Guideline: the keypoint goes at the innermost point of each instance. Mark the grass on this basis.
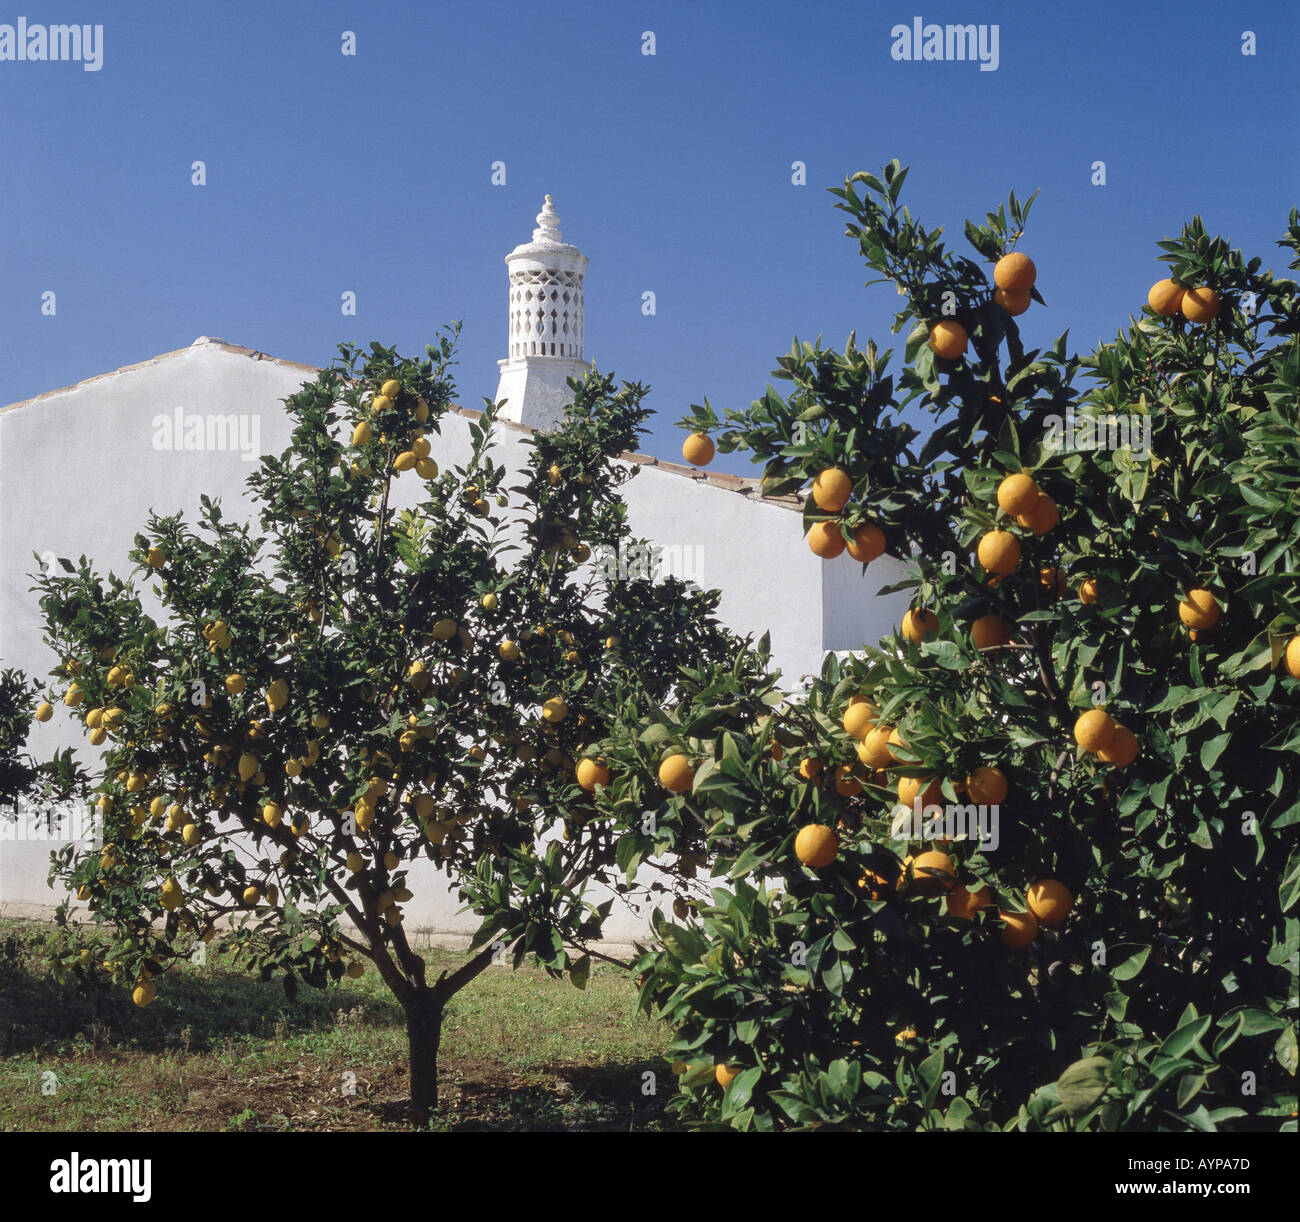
(220, 1050)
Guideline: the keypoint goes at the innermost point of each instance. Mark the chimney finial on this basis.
(548, 224)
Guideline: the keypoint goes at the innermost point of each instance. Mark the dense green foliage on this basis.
(852, 994)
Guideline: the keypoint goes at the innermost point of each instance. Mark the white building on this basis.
(81, 468)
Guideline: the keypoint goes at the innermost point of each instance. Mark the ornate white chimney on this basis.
(546, 319)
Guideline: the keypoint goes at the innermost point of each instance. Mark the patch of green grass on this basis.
(219, 1049)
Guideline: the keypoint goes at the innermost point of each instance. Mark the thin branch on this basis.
(1056, 771)
(586, 950)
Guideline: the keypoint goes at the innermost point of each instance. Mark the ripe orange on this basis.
(826, 539)
(1292, 657)
(1088, 591)
(948, 339)
(987, 786)
(1014, 303)
(725, 1075)
(933, 884)
(910, 786)
(999, 552)
(1199, 610)
(1165, 297)
(875, 885)
(918, 624)
(697, 449)
(1042, 516)
(555, 710)
(676, 773)
(810, 768)
(868, 543)
(816, 845)
(831, 489)
(1015, 273)
(592, 773)
(1049, 901)
(846, 784)
(143, 993)
(874, 750)
(1094, 731)
(1019, 929)
(1017, 493)
(965, 904)
(1199, 304)
(1122, 749)
(1053, 579)
(989, 631)
(859, 719)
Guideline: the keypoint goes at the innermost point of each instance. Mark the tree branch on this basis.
(1056, 771)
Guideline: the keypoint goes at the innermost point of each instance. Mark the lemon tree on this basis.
(352, 687)
(1092, 704)
(21, 775)
(17, 711)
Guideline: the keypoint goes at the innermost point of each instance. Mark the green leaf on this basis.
(1284, 1049)
(1258, 1022)
(957, 1116)
(1289, 891)
(1189, 1085)
(1212, 749)
(655, 735)
(1082, 1085)
(1186, 1035)
(1132, 965)
(930, 1071)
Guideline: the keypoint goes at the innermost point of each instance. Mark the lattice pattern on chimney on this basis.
(546, 313)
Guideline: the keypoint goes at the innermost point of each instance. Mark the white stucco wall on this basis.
(80, 471)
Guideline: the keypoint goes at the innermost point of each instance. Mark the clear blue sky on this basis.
(671, 172)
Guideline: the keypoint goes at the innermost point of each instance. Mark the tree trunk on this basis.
(424, 1033)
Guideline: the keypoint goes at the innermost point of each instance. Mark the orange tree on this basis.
(356, 687)
(1031, 862)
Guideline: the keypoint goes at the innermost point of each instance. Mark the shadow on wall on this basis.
(852, 613)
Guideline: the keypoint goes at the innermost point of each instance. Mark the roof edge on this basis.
(202, 342)
(747, 486)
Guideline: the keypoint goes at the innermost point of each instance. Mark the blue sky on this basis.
(672, 173)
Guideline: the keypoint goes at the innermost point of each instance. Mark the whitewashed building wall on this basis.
(80, 471)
